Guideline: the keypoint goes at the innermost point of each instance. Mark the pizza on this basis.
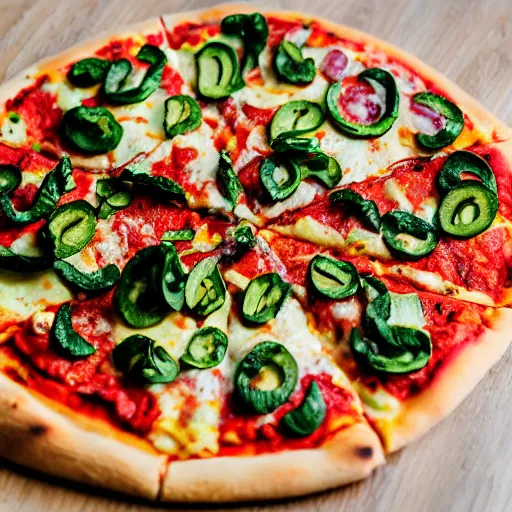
(244, 255)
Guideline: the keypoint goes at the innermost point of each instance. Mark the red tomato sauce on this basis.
(39, 111)
(259, 116)
(94, 376)
(277, 29)
(269, 437)
(171, 81)
(191, 33)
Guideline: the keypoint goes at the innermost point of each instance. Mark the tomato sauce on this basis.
(269, 437)
(277, 29)
(39, 111)
(171, 81)
(191, 34)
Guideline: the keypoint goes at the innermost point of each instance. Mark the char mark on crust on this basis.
(364, 452)
(38, 430)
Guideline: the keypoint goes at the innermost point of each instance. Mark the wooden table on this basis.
(463, 464)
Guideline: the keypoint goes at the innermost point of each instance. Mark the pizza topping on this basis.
(408, 236)
(454, 120)
(114, 196)
(365, 209)
(147, 281)
(334, 64)
(70, 228)
(119, 88)
(385, 121)
(333, 278)
(217, 71)
(88, 72)
(228, 182)
(10, 178)
(182, 114)
(253, 30)
(9, 260)
(321, 167)
(99, 281)
(280, 176)
(56, 183)
(93, 130)
(206, 348)
(468, 209)
(291, 66)
(65, 339)
(296, 118)
(397, 343)
(205, 290)
(140, 359)
(264, 297)
(178, 235)
(461, 163)
(266, 377)
(308, 416)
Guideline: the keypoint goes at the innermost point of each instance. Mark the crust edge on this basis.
(351, 455)
(456, 380)
(34, 435)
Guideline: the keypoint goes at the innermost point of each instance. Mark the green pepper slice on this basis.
(291, 66)
(10, 178)
(298, 144)
(280, 176)
(140, 359)
(182, 114)
(296, 118)
(139, 296)
(70, 228)
(365, 209)
(9, 260)
(239, 242)
(228, 182)
(462, 162)
(88, 72)
(173, 279)
(117, 87)
(162, 185)
(321, 167)
(56, 183)
(265, 359)
(114, 196)
(93, 130)
(264, 297)
(205, 290)
(387, 119)
(65, 339)
(412, 351)
(178, 235)
(253, 30)
(308, 416)
(217, 71)
(332, 278)
(408, 236)
(452, 114)
(468, 209)
(98, 281)
(206, 348)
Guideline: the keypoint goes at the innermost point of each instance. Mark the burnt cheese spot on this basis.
(364, 452)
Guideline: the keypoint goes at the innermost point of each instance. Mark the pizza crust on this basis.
(36, 435)
(350, 456)
(490, 127)
(455, 381)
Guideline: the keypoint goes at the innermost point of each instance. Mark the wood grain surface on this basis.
(464, 463)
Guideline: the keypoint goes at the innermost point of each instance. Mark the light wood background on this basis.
(463, 464)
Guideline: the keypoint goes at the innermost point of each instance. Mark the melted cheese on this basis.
(12, 131)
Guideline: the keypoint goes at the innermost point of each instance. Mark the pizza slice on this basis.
(321, 106)
(442, 223)
(412, 355)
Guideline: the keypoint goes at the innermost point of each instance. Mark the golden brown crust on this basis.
(489, 126)
(455, 381)
(38, 436)
(351, 455)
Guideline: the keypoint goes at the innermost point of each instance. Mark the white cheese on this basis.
(27, 245)
(13, 131)
(393, 192)
(303, 196)
(68, 96)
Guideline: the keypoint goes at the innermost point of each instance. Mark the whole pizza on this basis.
(244, 255)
